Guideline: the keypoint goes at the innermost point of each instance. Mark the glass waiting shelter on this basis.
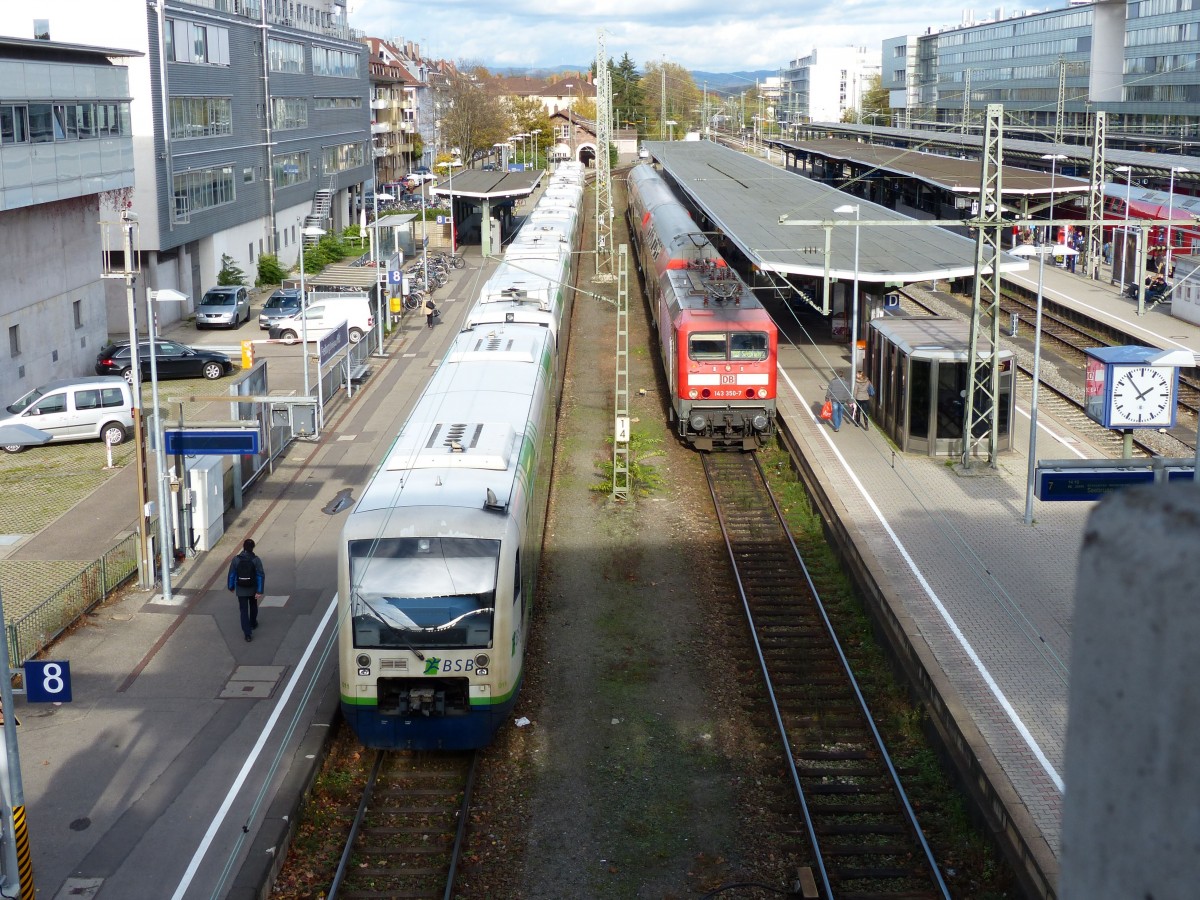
(919, 368)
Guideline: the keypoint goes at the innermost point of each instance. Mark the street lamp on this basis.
(1128, 170)
(449, 167)
(1026, 250)
(167, 295)
(1171, 215)
(1054, 158)
(386, 198)
(534, 134)
(857, 210)
(306, 231)
(570, 121)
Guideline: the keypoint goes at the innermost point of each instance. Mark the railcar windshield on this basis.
(719, 346)
(423, 592)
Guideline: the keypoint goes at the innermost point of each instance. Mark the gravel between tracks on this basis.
(640, 774)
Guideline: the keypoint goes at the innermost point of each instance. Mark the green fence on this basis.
(37, 628)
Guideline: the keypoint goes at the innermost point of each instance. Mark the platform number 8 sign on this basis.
(48, 681)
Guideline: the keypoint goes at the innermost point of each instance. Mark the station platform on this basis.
(985, 600)
(1100, 299)
(179, 764)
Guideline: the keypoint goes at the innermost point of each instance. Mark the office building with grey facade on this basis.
(1137, 61)
(66, 160)
(248, 117)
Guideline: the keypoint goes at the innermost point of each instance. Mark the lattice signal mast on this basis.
(604, 138)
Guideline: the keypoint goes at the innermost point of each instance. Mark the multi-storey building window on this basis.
(290, 168)
(342, 157)
(337, 103)
(289, 112)
(202, 189)
(201, 117)
(40, 123)
(285, 56)
(338, 63)
(191, 42)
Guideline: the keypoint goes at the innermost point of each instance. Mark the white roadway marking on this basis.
(1105, 314)
(992, 686)
(252, 758)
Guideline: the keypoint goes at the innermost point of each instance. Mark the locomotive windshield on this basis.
(423, 592)
(719, 346)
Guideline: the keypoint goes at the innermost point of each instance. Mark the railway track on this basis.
(1068, 340)
(408, 832)
(865, 837)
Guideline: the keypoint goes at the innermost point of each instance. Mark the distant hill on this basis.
(731, 82)
(721, 82)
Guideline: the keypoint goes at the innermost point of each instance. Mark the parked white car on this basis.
(324, 315)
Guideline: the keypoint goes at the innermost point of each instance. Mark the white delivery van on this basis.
(322, 316)
(76, 409)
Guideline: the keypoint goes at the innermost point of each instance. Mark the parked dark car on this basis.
(223, 307)
(173, 360)
(283, 303)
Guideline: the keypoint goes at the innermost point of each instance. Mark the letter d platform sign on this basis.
(48, 681)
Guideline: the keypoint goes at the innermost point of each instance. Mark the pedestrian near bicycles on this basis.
(430, 311)
(247, 580)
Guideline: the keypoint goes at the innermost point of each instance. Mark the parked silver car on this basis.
(223, 307)
(75, 409)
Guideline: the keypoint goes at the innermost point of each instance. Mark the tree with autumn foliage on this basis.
(680, 103)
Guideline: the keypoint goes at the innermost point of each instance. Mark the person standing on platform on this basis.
(247, 580)
(863, 389)
(430, 311)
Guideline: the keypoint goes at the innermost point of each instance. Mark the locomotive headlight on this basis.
(759, 422)
(364, 661)
(762, 393)
(693, 394)
(482, 660)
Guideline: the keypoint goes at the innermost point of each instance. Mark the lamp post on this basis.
(160, 456)
(449, 167)
(1054, 158)
(1171, 215)
(375, 263)
(1128, 170)
(857, 210)
(1025, 250)
(307, 231)
(534, 134)
(570, 121)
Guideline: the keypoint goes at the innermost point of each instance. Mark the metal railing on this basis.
(29, 633)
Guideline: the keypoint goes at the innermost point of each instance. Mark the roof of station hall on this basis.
(487, 184)
(778, 220)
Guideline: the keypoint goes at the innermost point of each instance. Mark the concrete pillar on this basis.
(1131, 821)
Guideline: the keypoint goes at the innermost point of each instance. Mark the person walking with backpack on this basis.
(247, 579)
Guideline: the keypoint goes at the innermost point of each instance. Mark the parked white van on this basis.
(75, 409)
(323, 315)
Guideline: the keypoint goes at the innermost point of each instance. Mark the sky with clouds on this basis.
(727, 36)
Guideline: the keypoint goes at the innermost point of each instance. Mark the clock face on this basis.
(1141, 395)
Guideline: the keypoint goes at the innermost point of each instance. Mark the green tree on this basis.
(473, 115)
(230, 274)
(527, 115)
(680, 103)
(629, 101)
(876, 104)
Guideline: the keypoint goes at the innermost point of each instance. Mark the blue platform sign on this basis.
(48, 681)
(206, 442)
(1066, 483)
(394, 276)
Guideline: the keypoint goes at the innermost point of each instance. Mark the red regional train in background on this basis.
(1145, 205)
(719, 347)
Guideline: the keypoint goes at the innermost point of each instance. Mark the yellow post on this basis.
(247, 354)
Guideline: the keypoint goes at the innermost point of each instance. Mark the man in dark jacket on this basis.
(247, 579)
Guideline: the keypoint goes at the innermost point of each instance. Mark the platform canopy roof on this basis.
(488, 185)
(785, 223)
